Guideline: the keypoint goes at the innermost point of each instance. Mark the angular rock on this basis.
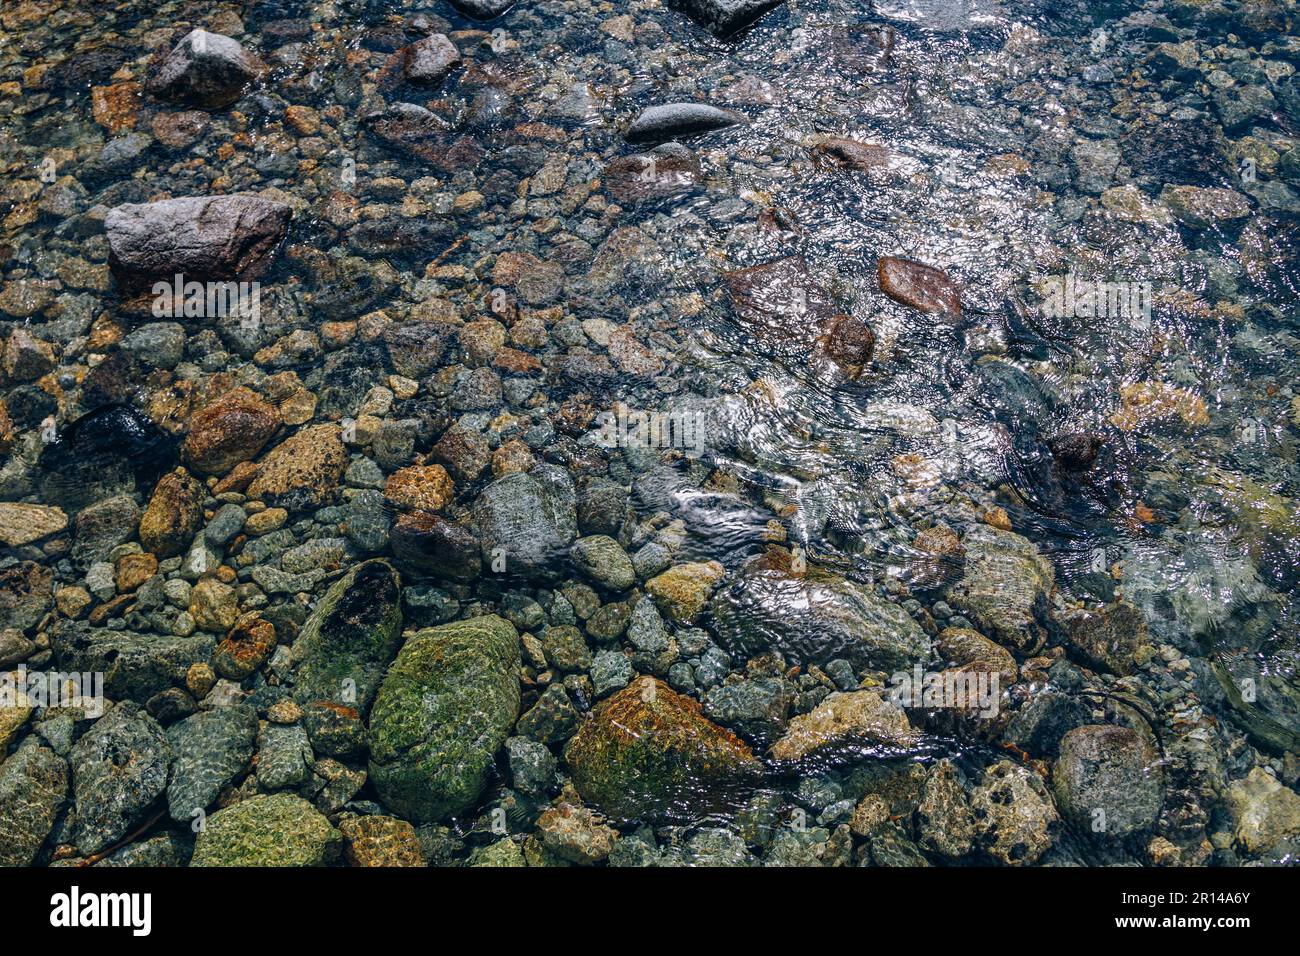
(210, 751)
(445, 708)
(33, 789)
(944, 820)
(419, 488)
(26, 593)
(815, 619)
(528, 521)
(837, 153)
(648, 752)
(380, 841)
(351, 637)
(303, 471)
(203, 238)
(119, 770)
(437, 546)
(658, 124)
(245, 648)
(683, 590)
(919, 286)
(1110, 638)
(424, 135)
(425, 62)
(860, 723)
(276, 830)
(135, 666)
(206, 70)
(1266, 815)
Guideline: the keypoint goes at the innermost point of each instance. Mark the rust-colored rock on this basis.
(919, 286)
(245, 647)
(649, 752)
(419, 488)
(849, 343)
(230, 430)
(174, 515)
(303, 471)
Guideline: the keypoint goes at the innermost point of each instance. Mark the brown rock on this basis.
(22, 524)
(512, 456)
(133, 570)
(436, 545)
(304, 470)
(850, 154)
(419, 488)
(648, 751)
(919, 286)
(174, 515)
(180, 130)
(213, 605)
(381, 841)
(230, 430)
(849, 343)
(116, 107)
(245, 647)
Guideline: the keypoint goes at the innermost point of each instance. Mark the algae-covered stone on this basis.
(445, 708)
(33, 787)
(210, 749)
(649, 751)
(350, 638)
(119, 769)
(860, 721)
(504, 852)
(275, 830)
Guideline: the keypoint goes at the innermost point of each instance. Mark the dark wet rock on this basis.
(779, 301)
(171, 705)
(602, 507)
(174, 514)
(1076, 451)
(1037, 728)
(424, 135)
(268, 830)
(206, 70)
(531, 765)
(33, 789)
(815, 619)
(658, 124)
(1113, 638)
(552, 719)
(724, 17)
(849, 343)
(446, 706)
(666, 170)
(849, 154)
(232, 429)
(335, 730)
(437, 546)
(350, 638)
(919, 286)
(1202, 208)
(1108, 781)
(527, 520)
(402, 238)
(1005, 585)
(135, 666)
(26, 593)
(1266, 817)
(109, 449)
(203, 238)
(347, 287)
(425, 62)
(417, 348)
(210, 750)
(483, 9)
(755, 709)
(119, 770)
(1014, 814)
(164, 850)
(648, 752)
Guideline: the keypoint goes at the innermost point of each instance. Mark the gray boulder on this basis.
(210, 749)
(528, 520)
(119, 771)
(206, 70)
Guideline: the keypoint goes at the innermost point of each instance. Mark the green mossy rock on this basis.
(444, 710)
(350, 638)
(276, 830)
(649, 752)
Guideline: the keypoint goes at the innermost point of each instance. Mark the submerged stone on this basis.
(657, 124)
(445, 708)
(724, 17)
(267, 830)
(919, 286)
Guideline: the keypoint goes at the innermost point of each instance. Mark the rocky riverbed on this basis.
(479, 433)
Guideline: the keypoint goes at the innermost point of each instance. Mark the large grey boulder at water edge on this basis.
(202, 238)
(206, 70)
